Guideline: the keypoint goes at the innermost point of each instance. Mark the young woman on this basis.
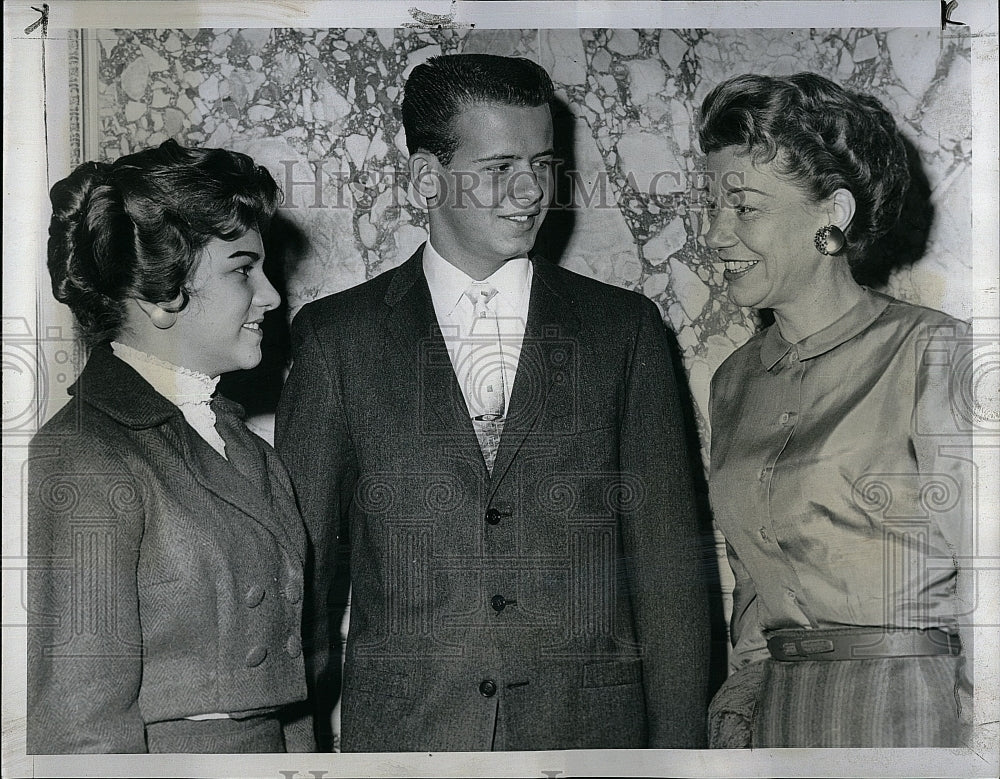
(839, 466)
(165, 583)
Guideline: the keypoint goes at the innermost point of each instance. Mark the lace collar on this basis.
(181, 386)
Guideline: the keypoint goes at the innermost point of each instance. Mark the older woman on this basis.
(165, 583)
(838, 467)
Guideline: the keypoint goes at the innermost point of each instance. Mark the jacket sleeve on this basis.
(85, 524)
(663, 545)
(312, 437)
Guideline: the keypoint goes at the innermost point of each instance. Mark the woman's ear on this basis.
(425, 178)
(842, 208)
(162, 315)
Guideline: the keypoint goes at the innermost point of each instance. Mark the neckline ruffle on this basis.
(179, 385)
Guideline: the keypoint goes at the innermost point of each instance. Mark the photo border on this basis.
(32, 142)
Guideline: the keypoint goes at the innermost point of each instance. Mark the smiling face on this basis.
(489, 202)
(762, 228)
(220, 328)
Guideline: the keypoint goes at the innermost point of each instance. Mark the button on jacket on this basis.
(162, 584)
(553, 604)
(841, 473)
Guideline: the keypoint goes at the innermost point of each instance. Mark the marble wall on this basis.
(319, 108)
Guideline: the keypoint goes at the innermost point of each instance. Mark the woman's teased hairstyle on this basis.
(437, 90)
(823, 137)
(134, 228)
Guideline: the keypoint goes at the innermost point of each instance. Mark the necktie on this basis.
(484, 372)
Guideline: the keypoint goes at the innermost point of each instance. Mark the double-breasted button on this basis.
(293, 646)
(253, 596)
(487, 688)
(493, 516)
(256, 656)
(498, 602)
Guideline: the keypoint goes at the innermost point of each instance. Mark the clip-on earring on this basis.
(829, 239)
(162, 319)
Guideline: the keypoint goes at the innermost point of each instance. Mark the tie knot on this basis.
(481, 295)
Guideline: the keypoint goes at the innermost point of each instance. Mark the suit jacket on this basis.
(162, 583)
(556, 604)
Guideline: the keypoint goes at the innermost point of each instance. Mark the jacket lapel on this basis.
(548, 352)
(411, 320)
(117, 390)
(213, 472)
(285, 507)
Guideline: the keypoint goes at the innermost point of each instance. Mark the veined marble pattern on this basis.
(323, 104)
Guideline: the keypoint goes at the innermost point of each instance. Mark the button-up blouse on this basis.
(840, 473)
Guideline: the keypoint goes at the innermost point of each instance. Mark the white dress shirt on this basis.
(454, 311)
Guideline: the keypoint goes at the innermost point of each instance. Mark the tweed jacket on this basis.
(553, 604)
(162, 583)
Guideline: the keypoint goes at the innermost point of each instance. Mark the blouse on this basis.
(840, 474)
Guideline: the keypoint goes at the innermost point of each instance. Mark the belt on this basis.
(794, 645)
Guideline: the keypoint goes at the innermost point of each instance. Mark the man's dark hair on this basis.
(439, 89)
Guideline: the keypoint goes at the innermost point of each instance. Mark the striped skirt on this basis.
(881, 702)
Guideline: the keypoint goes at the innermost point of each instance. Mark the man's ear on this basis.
(425, 178)
(842, 208)
(162, 315)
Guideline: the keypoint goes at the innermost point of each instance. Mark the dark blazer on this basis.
(555, 605)
(162, 583)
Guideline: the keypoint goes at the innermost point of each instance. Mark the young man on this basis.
(500, 441)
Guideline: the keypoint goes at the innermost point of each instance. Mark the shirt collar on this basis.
(859, 317)
(448, 283)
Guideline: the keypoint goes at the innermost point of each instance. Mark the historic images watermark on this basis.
(571, 189)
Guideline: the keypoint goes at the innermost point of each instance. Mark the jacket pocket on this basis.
(613, 673)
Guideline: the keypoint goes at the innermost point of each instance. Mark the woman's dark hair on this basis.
(823, 137)
(437, 90)
(133, 228)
